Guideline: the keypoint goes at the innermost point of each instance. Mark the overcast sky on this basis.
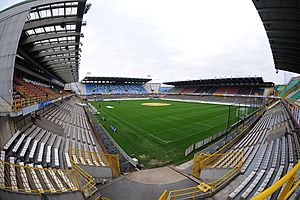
(173, 40)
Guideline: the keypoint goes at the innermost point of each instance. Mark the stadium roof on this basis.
(281, 20)
(224, 81)
(51, 36)
(115, 80)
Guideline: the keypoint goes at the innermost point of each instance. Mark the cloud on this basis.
(175, 40)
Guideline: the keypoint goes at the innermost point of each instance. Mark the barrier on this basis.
(189, 150)
(163, 196)
(19, 104)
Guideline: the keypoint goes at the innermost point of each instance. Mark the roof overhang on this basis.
(115, 80)
(258, 81)
(51, 36)
(281, 20)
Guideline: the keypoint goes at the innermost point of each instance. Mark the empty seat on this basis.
(42, 146)
(242, 186)
(27, 142)
(18, 144)
(49, 149)
(47, 181)
(35, 144)
(66, 179)
(12, 174)
(24, 178)
(57, 180)
(35, 178)
(253, 184)
(11, 140)
(56, 151)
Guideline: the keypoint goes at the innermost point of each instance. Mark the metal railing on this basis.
(18, 104)
(85, 181)
(201, 189)
(290, 180)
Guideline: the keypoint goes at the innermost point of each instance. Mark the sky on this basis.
(175, 40)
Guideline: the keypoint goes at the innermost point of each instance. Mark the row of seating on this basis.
(249, 158)
(272, 155)
(249, 145)
(41, 155)
(243, 90)
(115, 89)
(78, 136)
(256, 134)
(290, 86)
(28, 177)
(297, 144)
(25, 88)
(253, 185)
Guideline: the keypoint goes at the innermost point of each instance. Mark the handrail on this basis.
(18, 104)
(89, 183)
(288, 189)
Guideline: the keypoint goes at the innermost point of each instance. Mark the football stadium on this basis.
(129, 138)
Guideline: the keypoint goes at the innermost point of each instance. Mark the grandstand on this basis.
(225, 90)
(63, 139)
(227, 86)
(114, 85)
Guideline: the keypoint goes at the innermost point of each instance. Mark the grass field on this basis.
(160, 135)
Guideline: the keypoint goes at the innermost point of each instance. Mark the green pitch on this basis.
(160, 135)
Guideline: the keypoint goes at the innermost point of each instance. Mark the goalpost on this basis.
(242, 112)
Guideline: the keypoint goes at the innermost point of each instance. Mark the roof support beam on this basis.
(52, 53)
(32, 39)
(66, 62)
(285, 40)
(25, 55)
(292, 64)
(286, 52)
(58, 57)
(49, 46)
(285, 46)
(285, 10)
(60, 66)
(51, 22)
